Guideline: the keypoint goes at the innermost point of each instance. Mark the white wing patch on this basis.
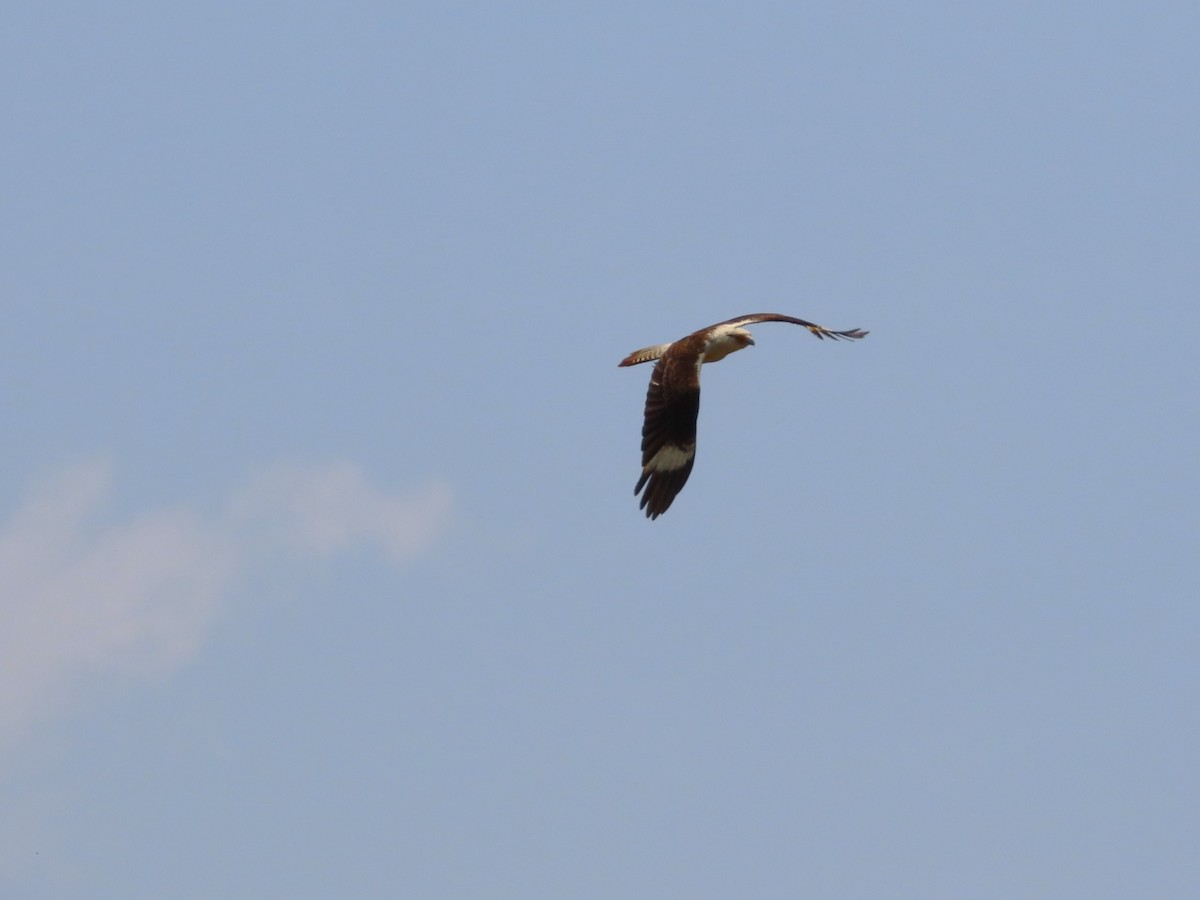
(670, 457)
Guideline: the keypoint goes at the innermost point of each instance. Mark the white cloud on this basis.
(324, 509)
(81, 601)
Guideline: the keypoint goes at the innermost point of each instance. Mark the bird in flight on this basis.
(673, 400)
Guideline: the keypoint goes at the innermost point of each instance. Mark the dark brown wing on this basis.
(669, 429)
(819, 331)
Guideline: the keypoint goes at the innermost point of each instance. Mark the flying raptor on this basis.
(673, 401)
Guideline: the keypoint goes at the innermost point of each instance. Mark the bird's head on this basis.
(725, 341)
(741, 339)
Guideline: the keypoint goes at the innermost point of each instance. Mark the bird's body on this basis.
(673, 400)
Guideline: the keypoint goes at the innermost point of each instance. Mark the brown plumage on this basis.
(673, 400)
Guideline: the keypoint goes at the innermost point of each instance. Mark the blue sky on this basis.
(320, 568)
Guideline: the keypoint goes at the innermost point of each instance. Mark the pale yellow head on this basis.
(726, 340)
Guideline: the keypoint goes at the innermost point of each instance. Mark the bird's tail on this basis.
(646, 354)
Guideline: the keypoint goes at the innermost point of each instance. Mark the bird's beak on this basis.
(751, 342)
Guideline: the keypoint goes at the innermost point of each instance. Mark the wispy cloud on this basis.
(82, 599)
(326, 509)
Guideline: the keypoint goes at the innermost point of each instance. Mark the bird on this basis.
(673, 400)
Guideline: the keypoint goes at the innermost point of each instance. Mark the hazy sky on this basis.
(321, 572)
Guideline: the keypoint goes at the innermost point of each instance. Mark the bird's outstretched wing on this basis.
(819, 331)
(669, 429)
